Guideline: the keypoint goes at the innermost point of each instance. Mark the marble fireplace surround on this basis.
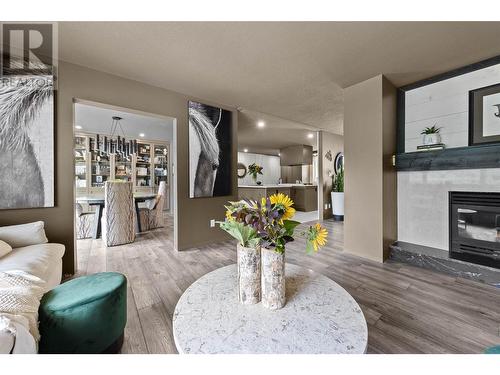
(423, 225)
(423, 201)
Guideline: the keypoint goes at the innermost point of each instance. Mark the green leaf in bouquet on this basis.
(289, 226)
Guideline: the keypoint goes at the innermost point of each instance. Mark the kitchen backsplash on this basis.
(270, 164)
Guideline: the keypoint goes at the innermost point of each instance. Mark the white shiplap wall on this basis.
(271, 164)
(445, 104)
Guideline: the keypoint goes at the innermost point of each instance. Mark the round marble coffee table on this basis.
(319, 317)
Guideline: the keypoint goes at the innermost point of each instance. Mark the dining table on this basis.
(97, 200)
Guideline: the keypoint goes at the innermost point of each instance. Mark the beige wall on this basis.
(335, 144)
(370, 180)
(390, 199)
(193, 215)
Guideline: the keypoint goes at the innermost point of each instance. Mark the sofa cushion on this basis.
(24, 234)
(37, 260)
(5, 248)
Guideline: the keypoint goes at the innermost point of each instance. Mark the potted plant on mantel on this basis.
(338, 195)
(269, 220)
(431, 135)
(254, 170)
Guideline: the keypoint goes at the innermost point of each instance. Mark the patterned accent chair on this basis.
(118, 215)
(84, 222)
(151, 216)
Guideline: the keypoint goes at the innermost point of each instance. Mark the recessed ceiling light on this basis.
(261, 124)
(78, 127)
(245, 149)
(141, 135)
(310, 135)
(279, 153)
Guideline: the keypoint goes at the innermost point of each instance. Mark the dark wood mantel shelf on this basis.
(473, 157)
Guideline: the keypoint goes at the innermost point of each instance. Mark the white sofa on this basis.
(33, 254)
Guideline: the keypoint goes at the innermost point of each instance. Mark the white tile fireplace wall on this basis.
(423, 201)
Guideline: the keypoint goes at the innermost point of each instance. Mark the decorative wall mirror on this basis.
(339, 162)
(242, 170)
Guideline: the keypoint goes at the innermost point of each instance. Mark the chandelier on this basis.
(114, 144)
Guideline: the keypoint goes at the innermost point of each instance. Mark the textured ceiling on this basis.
(94, 119)
(276, 133)
(294, 71)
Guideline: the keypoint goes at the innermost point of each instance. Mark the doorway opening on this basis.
(293, 158)
(114, 145)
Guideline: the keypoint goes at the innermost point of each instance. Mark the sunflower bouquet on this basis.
(263, 228)
(277, 212)
(269, 221)
(254, 170)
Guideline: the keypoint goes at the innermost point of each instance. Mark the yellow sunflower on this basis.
(284, 202)
(229, 215)
(318, 236)
(263, 202)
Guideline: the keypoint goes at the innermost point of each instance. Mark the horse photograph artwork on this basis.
(209, 151)
(26, 142)
(491, 115)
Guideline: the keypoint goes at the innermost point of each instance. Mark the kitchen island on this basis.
(305, 197)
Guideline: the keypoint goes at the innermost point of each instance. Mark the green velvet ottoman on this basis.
(84, 315)
(493, 350)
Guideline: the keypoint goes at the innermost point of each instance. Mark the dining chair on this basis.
(84, 222)
(118, 216)
(152, 215)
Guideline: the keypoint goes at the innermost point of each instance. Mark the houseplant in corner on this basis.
(276, 229)
(254, 170)
(239, 216)
(338, 195)
(431, 135)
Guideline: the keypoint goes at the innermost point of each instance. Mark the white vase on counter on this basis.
(338, 205)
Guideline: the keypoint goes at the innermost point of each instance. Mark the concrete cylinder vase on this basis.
(273, 279)
(249, 271)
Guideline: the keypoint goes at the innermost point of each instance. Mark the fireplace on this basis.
(475, 227)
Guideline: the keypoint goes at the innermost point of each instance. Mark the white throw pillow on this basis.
(24, 234)
(5, 248)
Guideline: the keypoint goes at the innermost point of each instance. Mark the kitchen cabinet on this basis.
(305, 197)
(258, 192)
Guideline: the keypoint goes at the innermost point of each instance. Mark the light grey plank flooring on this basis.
(408, 309)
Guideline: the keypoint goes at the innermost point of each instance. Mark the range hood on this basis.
(296, 155)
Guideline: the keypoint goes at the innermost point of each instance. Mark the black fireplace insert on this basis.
(475, 227)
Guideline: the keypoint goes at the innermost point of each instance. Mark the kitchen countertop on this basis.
(276, 186)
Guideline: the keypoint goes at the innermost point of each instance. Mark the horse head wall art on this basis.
(209, 151)
(26, 142)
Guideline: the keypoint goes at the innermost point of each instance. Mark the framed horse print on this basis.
(27, 113)
(209, 151)
(484, 115)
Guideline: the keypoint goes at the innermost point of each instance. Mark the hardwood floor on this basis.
(408, 310)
